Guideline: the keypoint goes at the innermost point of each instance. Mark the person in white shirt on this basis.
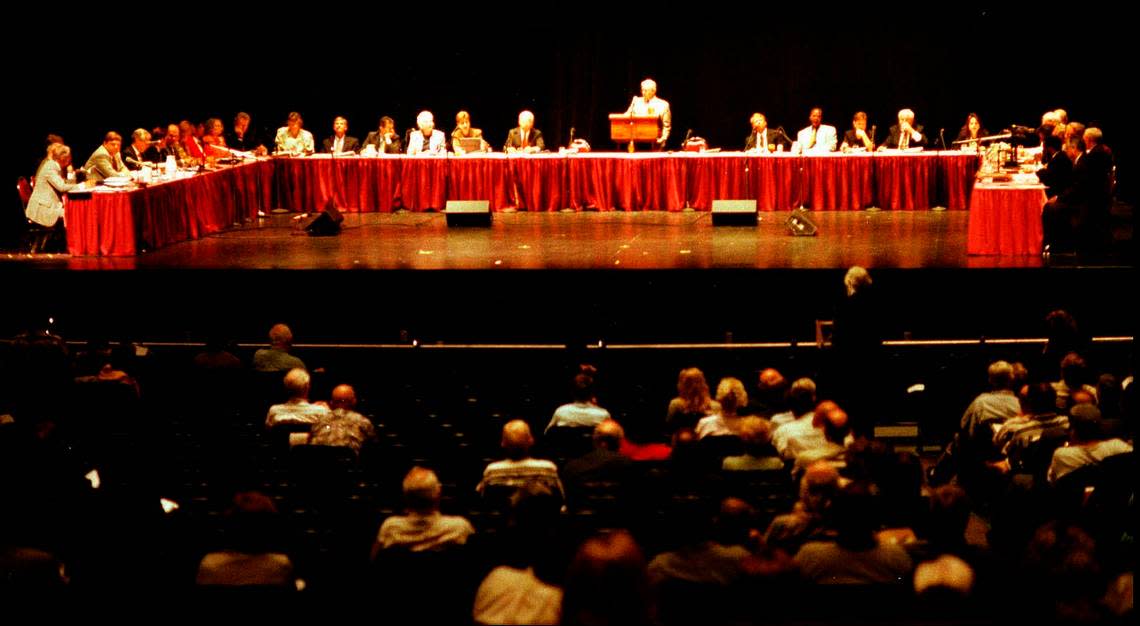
(584, 411)
(817, 137)
(293, 138)
(428, 140)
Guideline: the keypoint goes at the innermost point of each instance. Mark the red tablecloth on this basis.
(117, 223)
(1005, 220)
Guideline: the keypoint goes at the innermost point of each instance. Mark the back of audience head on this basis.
(818, 487)
(607, 583)
(343, 397)
(801, 396)
(856, 280)
(583, 388)
(280, 337)
(517, 440)
(1000, 375)
(693, 389)
(731, 395)
(297, 383)
(608, 435)
(756, 433)
(421, 491)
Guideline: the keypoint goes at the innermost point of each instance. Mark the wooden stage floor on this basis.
(584, 241)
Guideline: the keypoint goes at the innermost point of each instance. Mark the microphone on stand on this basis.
(942, 138)
(571, 135)
(688, 133)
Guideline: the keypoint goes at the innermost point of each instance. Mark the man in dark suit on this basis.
(763, 139)
(340, 142)
(1057, 176)
(140, 151)
(526, 138)
(244, 137)
(1077, 219)
(384, 140)
(905, 134)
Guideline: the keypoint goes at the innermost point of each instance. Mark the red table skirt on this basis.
(1005, 220)
(121, 223)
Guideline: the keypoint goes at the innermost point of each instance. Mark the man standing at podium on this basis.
(649, 105)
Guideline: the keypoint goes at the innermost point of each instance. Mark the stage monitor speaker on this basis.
(468, 213)
(734, 213)
(323, 224)
(799, 224)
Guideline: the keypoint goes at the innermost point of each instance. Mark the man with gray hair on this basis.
(423, 528)
(649, 105)
(972, 445)
(427, 140)
(526, 138)
(905, 134)
(140, 151)
(297, 409)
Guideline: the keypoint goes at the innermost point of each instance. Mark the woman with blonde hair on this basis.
(693, 401)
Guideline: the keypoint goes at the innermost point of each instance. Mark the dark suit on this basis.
(1057, 176)
(1078, 217)
(374, 138)
(892, 141)
(514, 140)
(853, 141)
(248, 142)
(773, 138)
(351, 144)
(134, 159)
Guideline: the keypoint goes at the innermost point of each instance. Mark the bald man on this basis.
(519, 468)
(603, 463)
(343, 426)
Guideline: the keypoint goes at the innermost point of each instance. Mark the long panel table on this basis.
(124, 222)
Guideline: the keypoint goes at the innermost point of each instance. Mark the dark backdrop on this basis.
(81, 74)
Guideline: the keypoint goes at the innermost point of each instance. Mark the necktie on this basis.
(524, 138)
(338, 144)
(811, 144)
(904, 140)
(764, 140)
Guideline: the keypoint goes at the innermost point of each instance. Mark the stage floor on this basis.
(581, 241)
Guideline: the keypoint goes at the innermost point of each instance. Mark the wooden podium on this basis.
(628, 128)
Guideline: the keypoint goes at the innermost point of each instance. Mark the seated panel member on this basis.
(244, 137)
(427, 140)
(106, 162)
(817, 138)
(763, 139)
(857, 138)
(140, 151)
(971, 131)
(649, 105)
(340, 142)
(905, 134)
(383, 140)
(526, 138)
(463, 130)
(293, 138)
(214, 140)
(172, 146)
